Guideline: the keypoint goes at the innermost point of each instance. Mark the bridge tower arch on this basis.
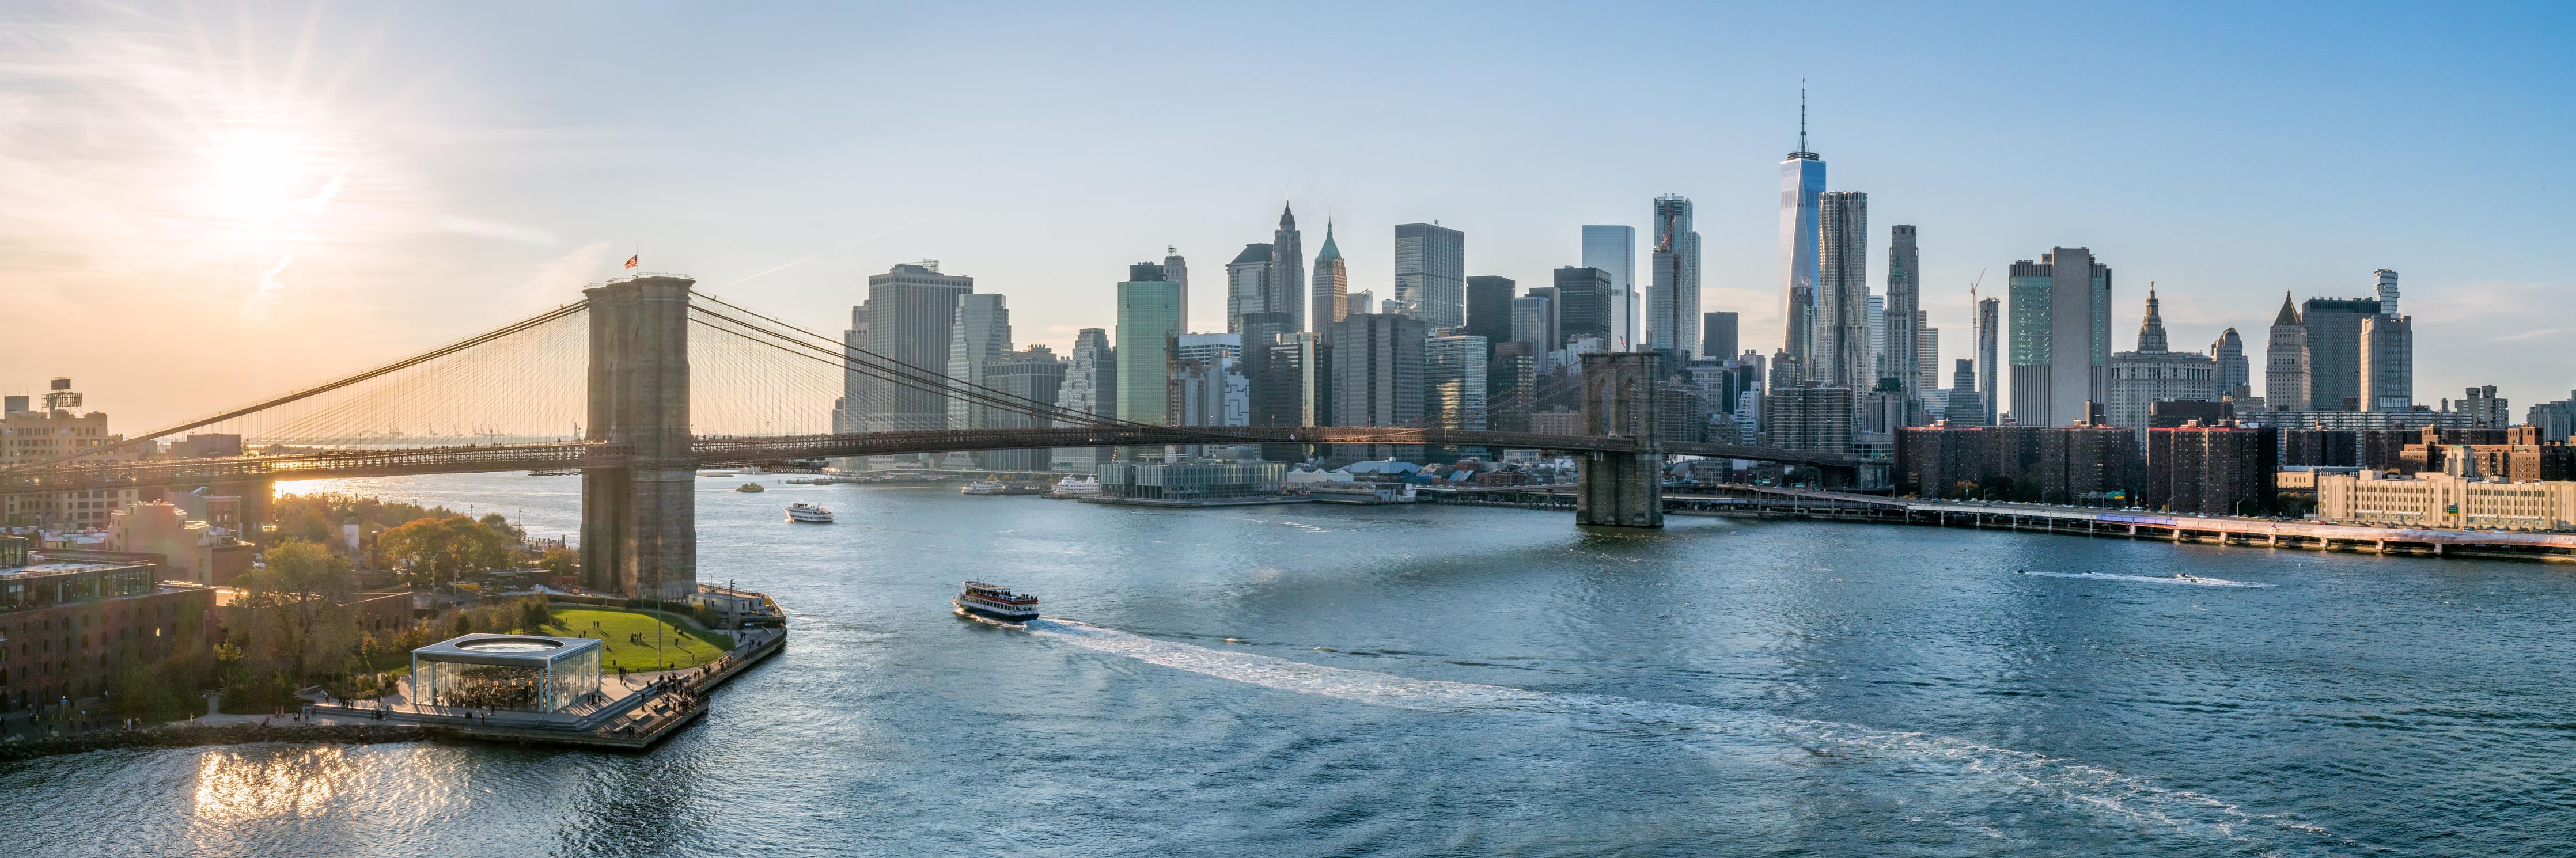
(1617, 489)
(639, 521)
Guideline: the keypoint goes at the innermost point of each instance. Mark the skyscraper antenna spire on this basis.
(1802, 154)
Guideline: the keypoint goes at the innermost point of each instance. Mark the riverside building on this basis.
(2441, 500)
(66, 627)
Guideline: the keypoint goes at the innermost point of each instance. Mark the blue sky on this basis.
(322, 187)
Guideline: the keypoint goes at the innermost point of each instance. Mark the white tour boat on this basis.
(995, 602)
(982, 487)
(1074, 488)
(809, 513)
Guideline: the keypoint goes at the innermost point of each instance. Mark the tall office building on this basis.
(1247, 285)
(981, 335)
(1149, 320)
(1332, 285)
(2387, 352)
(1717, 336)
(2486, 410)
(2388, 363)
(1177, 270)
(1288, 270)
(1208, 385)
(1802, 186)
(1672, 292)
(1431, 273)
(1090, 387)
(2061, 349)
(1614, 249)
(853, 385)
(1033, 374)
(1927, 355)
(2334, 350)
(2155, 373)
(1292, 387)
(2286, 384)
(1534, 323)
(1585, 302)
(1966, 405)
(1877, 315)
(1453, 381)
(912, 312)
(1990, 354)
(1377, 376)
(1904, 301)
(1489, 308)
(1842, 292)
(2235, 378)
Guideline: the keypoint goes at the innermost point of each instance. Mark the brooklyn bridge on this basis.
(623, 366)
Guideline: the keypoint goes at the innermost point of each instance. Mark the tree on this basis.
(294, 604)
(561, 560)
(440, 550)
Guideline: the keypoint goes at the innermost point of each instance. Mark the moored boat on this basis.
(1073, 488)
(994, 602)
(983, 487)
(751, 487)
(809, 513)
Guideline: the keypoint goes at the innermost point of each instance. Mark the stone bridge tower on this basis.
(639, 522)
(1621, 489)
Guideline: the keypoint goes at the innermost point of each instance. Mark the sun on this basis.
(259, 176)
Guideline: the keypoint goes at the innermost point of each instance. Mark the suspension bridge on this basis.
(608, 387)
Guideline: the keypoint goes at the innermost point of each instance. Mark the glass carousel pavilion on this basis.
(512, 673)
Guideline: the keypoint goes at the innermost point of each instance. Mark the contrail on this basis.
(837, 247)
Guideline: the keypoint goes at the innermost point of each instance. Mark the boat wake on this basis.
(2193, 581)
(2089, 789)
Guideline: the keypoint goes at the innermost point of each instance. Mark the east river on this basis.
(1311, 680)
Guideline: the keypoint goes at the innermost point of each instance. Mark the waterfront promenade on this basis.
(1772, 502)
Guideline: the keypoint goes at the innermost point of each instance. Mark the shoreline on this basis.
(187, 735)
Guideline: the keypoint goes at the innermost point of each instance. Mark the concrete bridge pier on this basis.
(1615, 489)
(639, 523)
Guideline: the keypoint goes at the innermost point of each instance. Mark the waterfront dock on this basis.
(1739, 501)
(642, 710)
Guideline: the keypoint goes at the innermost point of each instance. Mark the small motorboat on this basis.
(751, 487)
(995, 603)
(809, 513)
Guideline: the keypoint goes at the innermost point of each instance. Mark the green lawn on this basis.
(681, 647)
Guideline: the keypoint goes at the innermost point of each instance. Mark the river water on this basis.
(1310, 680)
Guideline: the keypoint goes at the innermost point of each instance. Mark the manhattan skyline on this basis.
(209, 174)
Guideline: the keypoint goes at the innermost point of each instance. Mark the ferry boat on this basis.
(809, 513)
(981, 601)
(982, 487)
(751, 487)
(1073, 488)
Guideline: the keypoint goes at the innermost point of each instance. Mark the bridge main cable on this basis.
(319, 389)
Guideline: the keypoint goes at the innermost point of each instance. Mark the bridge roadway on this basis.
(737, 451)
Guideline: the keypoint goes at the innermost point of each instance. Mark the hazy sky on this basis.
(203, 203)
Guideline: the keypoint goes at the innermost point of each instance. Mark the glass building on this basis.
(510, 673)
(1431, 273)
(1614, 249)
(1802, 183)
(1149, 317)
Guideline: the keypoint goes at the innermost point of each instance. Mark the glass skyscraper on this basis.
(1431, 273)
(1802, 182)
(1149, 317)
(1614, 249)
(1672, 290)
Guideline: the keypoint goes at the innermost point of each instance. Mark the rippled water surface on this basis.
(1312, 680)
